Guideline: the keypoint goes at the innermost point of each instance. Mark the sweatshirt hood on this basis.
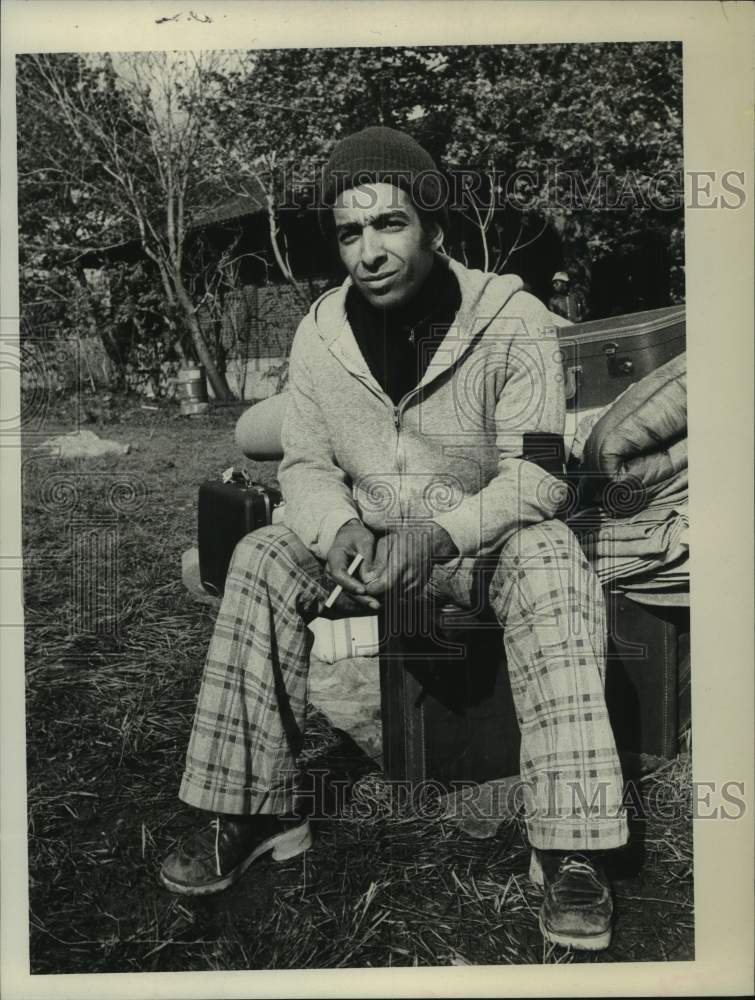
(483, 297)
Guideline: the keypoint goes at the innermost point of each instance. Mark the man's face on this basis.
(559, 287)
(382, 243)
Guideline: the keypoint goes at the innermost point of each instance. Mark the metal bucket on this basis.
(192, 391)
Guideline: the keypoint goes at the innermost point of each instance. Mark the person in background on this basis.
(567, 301)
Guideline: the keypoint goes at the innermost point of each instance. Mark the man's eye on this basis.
(393, 224)
(347, 237)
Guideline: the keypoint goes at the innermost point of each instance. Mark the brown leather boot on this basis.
(217, 855)
(577, 910)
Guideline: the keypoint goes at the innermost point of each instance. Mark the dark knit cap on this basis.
(379, 154)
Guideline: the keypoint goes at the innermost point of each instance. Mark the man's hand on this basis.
(404, 559)
(353, 538)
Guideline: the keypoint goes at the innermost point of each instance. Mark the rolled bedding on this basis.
(258, 430)
(643, 434)
(632, 519)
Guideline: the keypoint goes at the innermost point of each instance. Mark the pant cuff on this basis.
(576, 836)
(234, 800)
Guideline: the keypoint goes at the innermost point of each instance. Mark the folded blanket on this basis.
(657, 534)
(653, 549)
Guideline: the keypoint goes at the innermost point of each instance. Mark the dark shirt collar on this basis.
(398, 344)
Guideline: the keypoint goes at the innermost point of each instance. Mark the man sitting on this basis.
(413, 390)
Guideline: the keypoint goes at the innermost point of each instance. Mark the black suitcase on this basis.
(226, 512)
(446, 707)
(647, 690)
(452, 720)
(604, 356)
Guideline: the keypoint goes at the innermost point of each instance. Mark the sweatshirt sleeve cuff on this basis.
(465, 530)
(485, 520)
(330, 525)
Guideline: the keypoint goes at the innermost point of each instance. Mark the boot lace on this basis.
(577, 864)
(216, 825)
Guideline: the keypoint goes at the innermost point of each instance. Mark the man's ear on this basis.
(436, 236)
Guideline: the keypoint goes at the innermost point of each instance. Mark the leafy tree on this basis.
(594, 133)
(55, 223)
(585, 140)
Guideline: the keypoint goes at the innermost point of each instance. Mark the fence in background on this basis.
(254, 335)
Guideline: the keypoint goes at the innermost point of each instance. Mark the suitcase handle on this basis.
(573, 374)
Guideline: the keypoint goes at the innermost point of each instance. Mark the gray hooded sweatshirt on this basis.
(451, 450)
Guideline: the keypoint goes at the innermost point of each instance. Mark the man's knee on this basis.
(541, 544)
(540, 565)
(273, 543)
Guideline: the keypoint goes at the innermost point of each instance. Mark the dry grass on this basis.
(108, 716)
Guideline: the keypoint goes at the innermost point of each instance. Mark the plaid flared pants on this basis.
(251, 712)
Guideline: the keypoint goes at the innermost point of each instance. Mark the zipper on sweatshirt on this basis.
(399, 458)
(396, 414)
(396, 417)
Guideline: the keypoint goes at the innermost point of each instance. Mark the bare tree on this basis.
(140, 120)
(253, 178)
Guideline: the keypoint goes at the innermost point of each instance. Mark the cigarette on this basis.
(338, 589)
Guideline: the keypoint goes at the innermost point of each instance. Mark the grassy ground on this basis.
(113, 665)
